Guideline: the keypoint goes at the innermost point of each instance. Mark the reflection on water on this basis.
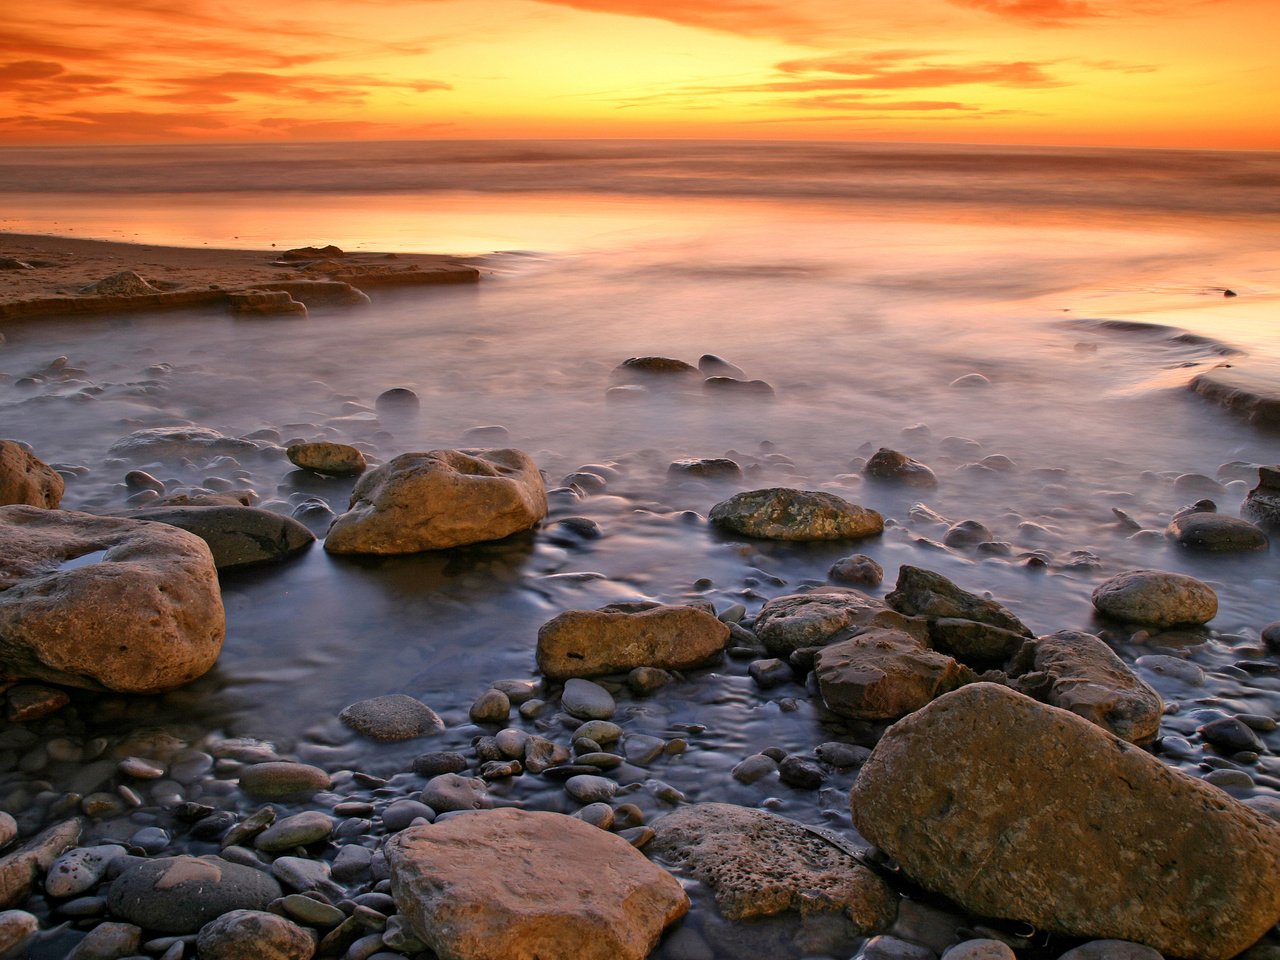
(860, 316)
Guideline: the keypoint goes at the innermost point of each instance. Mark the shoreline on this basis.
(48, 275)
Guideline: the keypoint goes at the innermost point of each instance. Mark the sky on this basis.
(1152, 73)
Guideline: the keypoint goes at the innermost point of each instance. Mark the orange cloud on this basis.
(223, 87)
(1043, 12)
(875, 73)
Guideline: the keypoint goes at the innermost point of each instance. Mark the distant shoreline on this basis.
(50, 276)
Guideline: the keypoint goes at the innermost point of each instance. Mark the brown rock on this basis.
(923, 593)
(1019, 810)
(648, 369)
(265, 303)
(813, 619)
(514, 885)
(339, 459)
(884, 673)
(1214, 533)
(31, 701)
(440, 499)
(759, 864)
(105, 603)
(20, 869)
(26, 480)
(781, 513)
(587, 643)
(894, 467)
(1157, 598)
(1262, 505)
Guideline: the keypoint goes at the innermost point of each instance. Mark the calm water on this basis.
(858, 281)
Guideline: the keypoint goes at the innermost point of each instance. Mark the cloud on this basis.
(1053, 13)
(223, 87)
(740, 17)
(114, 124)
(856, 102)
(886, 72)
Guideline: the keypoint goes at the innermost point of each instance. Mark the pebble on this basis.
(283, 780)
(1229, 734)
(598, 760)
(1229, 779)
(351, 863)
(299, 830)
(449, 792)
(1174, 668)
(891, 948)
(753, 768)
(83, 907)
(858, 570)
(492, 706)
(801, 773)
(842, 755)
(1111, 950)
(770, 673)
(311, 911)
(399, 936)
(8, 829)
(79, 870)
(598, 814)
(249, 827)
(391, 718)
(150, 839)
(401, 813)
(587, 701)
(602, 732)
(586, 788)
(510, 742)
(642, 750)
(645, 680)
(979, 950)
(638, 837)
(434, 764)
(253, 935)
(301, 874)
(108, 941)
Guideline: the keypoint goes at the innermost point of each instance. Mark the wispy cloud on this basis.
(902, 70)
(1052, 13)
(229, 85)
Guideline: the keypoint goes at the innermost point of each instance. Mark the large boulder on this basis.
(759, 864)
(923, 593)
(813, 619)
(588, 643)
(182, 894)
(440, 499)
(1024, 811)
(1156, 598)
(236, 536)
(25, 479)
(884, 673)
(104, 602)
(515, 885)
(1078, 672)
(781, 513)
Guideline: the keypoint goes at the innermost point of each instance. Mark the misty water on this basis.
(860, 283)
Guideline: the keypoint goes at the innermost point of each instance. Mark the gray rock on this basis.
(1157, 598)
(586, 700)
(395, 716)
(782, 513)
(302, 874)
(79, 870)
(336, 459)
(254, 935)
(351, 863)
(1215, 533)
(586, 788)
(716, 468)
(858, 570)
(237, 536)
(770, 673)
(753, 768)
(885, 947)
(732, 385)
(642, 750)
(923, 593)
(976, 644)
(400, 813)
(894, 467)
(283, 780)
(492, 706)
(299, 830)
(1173, 668)
(790, 622)
(173, 444)
(1231, 735)
(182, 894)
(449, 792)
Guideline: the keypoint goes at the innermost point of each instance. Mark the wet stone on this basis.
(311, 911)
(979, 950)
(391, 718)
(586, 788)
(79, 870)
(887, 947)
(253, 935)
(802, 773)
(1157, 598)
(856, 570)
(770, 673)
(586, 700)
(720, 468)
(1231, 735)
(753, 768)
(894, 467)
(299, 830)
(433, 764)
(181, 894)
(283, 780)
(643, 680)
(449, 792)
(492, 706)
(642, 750)
(1215, 533)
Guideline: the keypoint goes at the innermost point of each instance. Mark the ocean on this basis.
(860, 281)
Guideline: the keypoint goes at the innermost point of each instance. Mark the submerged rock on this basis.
(1215, 533)
(759, 864)
(894, 467)
(782, 513)
(799, 620)
(714, 468)
(337, 459)
(514, 885)
(25, 479)
(393, 717)
(1019, 810)
(1262, 505)
(236, 536)
(440, 499)
(1157, 598)
(588, 643)
(923, 593)
(104, 602)
(643, 370)
(175, 443)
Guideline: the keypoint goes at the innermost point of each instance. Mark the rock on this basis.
(976, 644)
(759, 864)
(108, 941)
(20, 869)
(1262, 505)
(105, 603)
(1156, 598)
(236, 536)
(8, 829)
(492, 706)
(24, 479)
(770, 673)
(182, 894)
(337, 459)
(893, 948)
(283, 780)
(126, 283)
(753, 768)
(709, 365)
(781, 513)
(923, 593)
(732, 385)
(178, 443)
(16, 928)
(813, 619)
(264, 303)
(440, 499)
(79, 870)
(588, 788)
(1231, 735)
(253, 935)
(586, 700)
(967, 533)
(858, 569)
(395, 716)
(894, 467)
(515, 885)
(304, 874)
(718, 468)
(1111, 950)
(645, 370)
(449, 791)
(33, 701)
(1019, 810)
(980, 950)
(884, 673)
(1078, 672)
(1215, 533)
(801, 773)
(299, 830)
(397, 400)
(588, 643)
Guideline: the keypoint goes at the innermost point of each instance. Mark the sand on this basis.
(56, 276)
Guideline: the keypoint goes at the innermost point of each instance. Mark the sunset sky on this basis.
(1162, 73)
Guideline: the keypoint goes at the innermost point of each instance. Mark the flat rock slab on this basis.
(1024, 811)
(182, 894)
(813, 619)
(782, 513)
(759, 864)
(236, 536)
(440, 499)
(588, 643)
(514, 885)
(1157, 598)
(395, 716)
(26, 479)
(104, 602)
(1252, 393)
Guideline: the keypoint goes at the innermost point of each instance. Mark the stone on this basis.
(798, 620)
(283, 780)
(20, 868)
(16, 928)
(758, 864)
(1262, 504)
(1112, 950)
(717, 468)
(397, 400)
(976, 644)
(253, 935)
(1078, 672)
(400, 813)
(25, 479)
(884, 673)
(753, 768)
(105, 603)
(108, 941)
(588, 643)
(174, 444)
(858, 569)
(8, 829)
(449, 791)
(431, 764)
(440, 499)
(967, 533)
(492, 706)
(393, 717)
(311, 911)
(894, 467)
(236, 536)
(1215, 533)
(923, 593)
(588, 788)
(645, 370)
(1156, 598)
(782, 513)
(26, 702)
(336, 459)
(126, 283)
(303, 874)
(182, 894)
(733, 385)
(515, 885)
(893, 948)
(586, 700)
(980, 950)
(1024, 811)
(710, 365)
(1231, 735)
(264, 303)
(78, 871)
(299, 830)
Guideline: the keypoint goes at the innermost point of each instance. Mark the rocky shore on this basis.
(995, 791)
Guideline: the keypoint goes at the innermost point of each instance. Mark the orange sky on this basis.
(1161, 73)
